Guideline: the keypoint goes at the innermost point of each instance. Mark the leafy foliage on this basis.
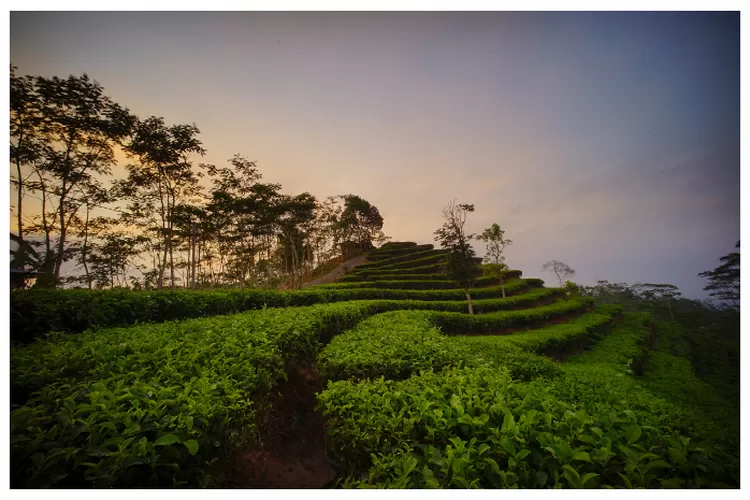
(724, 281)
(477, 427)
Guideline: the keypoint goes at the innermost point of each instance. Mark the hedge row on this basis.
(429, 268)
(382, 254)
(477, 427)
(418, 284)
(396, 345)
(350, 278)
(187, 383)
(36, 312)
(402, 257)
(404, 262)
(393, 246)
(153, 405)
(576, 333)
(452, 323)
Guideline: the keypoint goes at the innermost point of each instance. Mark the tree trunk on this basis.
(502, 285)
(193, 243)
(20, 201)
(84, 249)
(61, 241)
(468, 298)
(170, 206)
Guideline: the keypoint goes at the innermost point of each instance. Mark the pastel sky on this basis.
(609, 141)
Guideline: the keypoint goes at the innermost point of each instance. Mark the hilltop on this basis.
(378, 379)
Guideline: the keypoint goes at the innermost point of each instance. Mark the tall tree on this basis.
(65, 132)
(461, 264)
(293, 213)
(360, 221)
(81, 127)
(162, 178)
(660, 293)
(560, 269)
(495, 243)
(25, 145)
(724, 281)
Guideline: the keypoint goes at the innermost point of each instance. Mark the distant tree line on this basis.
(172, 222)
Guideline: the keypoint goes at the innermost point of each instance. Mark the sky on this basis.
(609, 141)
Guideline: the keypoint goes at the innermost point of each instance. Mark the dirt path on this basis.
(294, 442)
(338, 272)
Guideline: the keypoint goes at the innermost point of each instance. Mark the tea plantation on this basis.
(535, 390)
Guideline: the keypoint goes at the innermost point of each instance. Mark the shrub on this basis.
(455, 324)
(479, 428)
(155, 405)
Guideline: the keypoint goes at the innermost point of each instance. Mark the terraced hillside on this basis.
(535, 390)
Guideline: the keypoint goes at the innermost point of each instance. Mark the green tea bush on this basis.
(480, 428)
(418, 284)
(578, 332)
(36, 312)
(406, 262)
(490, 350)
(513, 274)
(417, 269)
(399, 255)
(155, 405)
(455, 324)
(395, 345)
(393, 247)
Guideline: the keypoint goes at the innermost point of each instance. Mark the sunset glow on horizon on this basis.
(609, 141)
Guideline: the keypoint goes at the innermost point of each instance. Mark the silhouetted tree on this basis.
(359, 221)
(161, 179)
(461, 263)
(495, 243)
(662, 293)
(64, 131)
(560, 269)
(724, 281)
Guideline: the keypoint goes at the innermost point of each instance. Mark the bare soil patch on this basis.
(293, 451)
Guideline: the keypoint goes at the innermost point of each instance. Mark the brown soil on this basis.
(337, 273)
(293, 452)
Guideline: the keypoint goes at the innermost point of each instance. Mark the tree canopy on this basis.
(170, 221)
(724, 281)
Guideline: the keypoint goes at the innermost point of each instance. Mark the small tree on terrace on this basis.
(461, 264)
(560, 269)
(495, 242)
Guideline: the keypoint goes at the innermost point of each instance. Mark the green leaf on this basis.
(456, 404)
(429, 478)
(189, 421)
(167, 439)
(192, 446)
(409, 465)
(508, 423)
(572, 476)
(581, 455)
(588, 477)
(676, 456)
(625, 480)
(632, 433)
